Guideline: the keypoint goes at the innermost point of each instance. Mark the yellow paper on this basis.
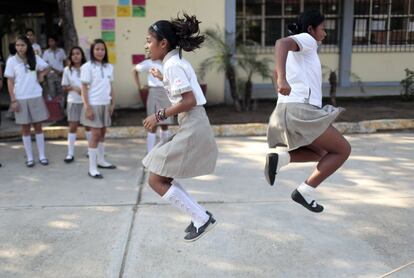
(112, 57)
(110, 46)
(124, 11)
(107, 10)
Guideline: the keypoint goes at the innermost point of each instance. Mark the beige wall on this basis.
(381, 67)
(135, 28)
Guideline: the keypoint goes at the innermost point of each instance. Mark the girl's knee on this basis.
(347, 150)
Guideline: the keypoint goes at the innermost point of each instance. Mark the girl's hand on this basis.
(156, 73)
(15, 106)
(150, 122)
(89, 113)
(111, 109)
(283, 86)
(40, 77)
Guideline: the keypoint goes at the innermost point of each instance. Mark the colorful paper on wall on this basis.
(137, 58)
(89, 11)
(138, 11)
(112, 57)
(123, 2)
(110, 46)
(108, 24)
(138, 2)
(107, 10)
(108, 36)
(124, 11)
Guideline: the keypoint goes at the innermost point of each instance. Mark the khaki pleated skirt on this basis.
(158, 99)
(74, 111)
(102, 116)
(32, 110)
(294, 125)
(191, 152)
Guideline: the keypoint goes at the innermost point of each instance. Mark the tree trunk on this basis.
(248, 95)
(70, 35)
(231, 77)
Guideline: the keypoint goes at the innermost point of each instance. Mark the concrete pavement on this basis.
(57, 222)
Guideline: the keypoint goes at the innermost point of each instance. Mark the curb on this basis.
(227, 130)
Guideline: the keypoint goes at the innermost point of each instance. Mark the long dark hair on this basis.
(105, 58)
(30, 55)
(83, 59)
(308, 18)
(182, 32)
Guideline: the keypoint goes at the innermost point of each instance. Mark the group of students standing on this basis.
(299, 122)
(89, 91)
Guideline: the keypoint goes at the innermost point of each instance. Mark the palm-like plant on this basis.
(249, 62)
(222, 60)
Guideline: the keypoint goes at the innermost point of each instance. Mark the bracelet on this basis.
(160, 115)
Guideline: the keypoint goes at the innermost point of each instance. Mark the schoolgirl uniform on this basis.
(157, 97)
(27, 90)
(192, 151)
(71, 77)
(99, 78)
(32, 107)
(299, 117)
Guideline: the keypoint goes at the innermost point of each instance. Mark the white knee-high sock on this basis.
(27, 143)
(308, 192)
(284, 159)
(93, 153)
(40, 141)
(176, 183)
(151, 139)
(181, 200)
(88, 135)
(164, 134)
(71, 143)
(101, 155)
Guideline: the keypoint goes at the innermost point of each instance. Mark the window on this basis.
(383, 25)
(264, 21)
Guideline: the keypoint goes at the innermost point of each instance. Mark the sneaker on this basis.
(313, 206)
(191, 225)
(195, 234)
(271, 167)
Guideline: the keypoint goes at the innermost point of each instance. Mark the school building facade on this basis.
(371, 39)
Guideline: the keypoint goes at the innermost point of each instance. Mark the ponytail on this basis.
(308, 18)
(183, 33)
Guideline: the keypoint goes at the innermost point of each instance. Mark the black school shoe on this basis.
(111, 167)
(195, 234)
(313, 206)
(270, 168)
(191, 226)
(69, 159)
(97, 176)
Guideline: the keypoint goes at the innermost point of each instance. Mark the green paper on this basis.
(138, 11)
(108, 36)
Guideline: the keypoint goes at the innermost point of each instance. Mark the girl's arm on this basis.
(112, 100)
(41, 74)
(282, 48)
(135, 74)
(13, 101)
(188, 101)
(85, 98)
